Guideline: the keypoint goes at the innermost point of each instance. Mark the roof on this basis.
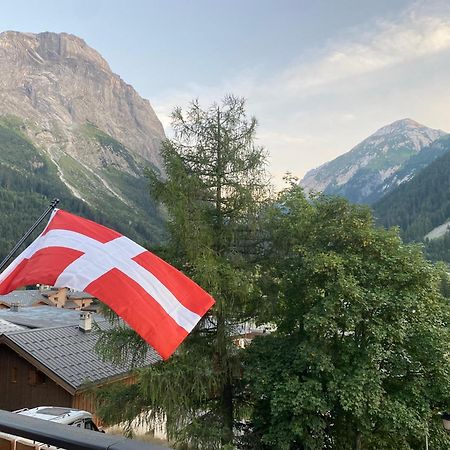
(79, 294)
(69, 293)
(70, 304)
(25, 298)
(6, 326)
(31, 296)
(67, 355)
(42, 316)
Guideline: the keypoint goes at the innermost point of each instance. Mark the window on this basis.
(31, 377)
(14, 375)
(89, 425)
(35, 377)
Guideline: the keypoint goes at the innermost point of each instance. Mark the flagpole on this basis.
(51, 207)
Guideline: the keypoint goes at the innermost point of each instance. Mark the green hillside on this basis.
(29, 180)
(378, 164)
(420, 205)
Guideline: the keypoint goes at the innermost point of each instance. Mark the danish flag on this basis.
(160, 303)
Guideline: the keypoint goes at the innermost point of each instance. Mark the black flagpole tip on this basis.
(52, 206)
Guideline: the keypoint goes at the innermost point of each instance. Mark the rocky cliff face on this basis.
(378, 164)
(61, 96)
(57, 82)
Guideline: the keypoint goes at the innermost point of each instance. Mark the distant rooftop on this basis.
(6, 327)
(25, 298)
(43, 316)
(31, 296)
(79, 294)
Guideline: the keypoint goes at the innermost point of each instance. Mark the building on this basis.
(23, 298)
(65, 298)
(54, 365)
(58, 297)
(6, 327)
(43, 316)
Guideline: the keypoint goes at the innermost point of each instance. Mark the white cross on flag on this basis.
(154, 298)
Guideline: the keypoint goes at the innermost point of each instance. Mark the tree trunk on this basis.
(358, 441)
(227, 410)
(219, 179)
(226, 394)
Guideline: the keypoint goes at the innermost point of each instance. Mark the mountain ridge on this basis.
(59, 77)
(367, 172)
(87, 131)
(422, 205)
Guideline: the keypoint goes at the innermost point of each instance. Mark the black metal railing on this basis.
(65, 436)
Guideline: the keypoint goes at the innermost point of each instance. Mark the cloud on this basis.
(346, 117)
(391, 43)
(341, 91)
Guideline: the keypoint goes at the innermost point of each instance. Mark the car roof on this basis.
(56, 414)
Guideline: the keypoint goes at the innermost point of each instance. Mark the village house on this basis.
(47, 296)
(54, 365)
(24, 298)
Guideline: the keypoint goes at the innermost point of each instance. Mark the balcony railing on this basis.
(65, 436)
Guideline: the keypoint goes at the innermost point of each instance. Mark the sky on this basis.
(319, 75)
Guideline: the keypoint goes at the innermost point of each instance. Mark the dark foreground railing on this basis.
(65, 436)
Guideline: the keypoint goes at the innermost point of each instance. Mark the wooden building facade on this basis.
(22, 385)
(56, 366)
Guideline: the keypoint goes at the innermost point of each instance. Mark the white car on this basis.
(60, 414)
(66, 416)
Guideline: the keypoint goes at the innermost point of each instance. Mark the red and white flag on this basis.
(160, 303)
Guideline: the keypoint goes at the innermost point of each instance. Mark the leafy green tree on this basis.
(360, 357)
(214, 187)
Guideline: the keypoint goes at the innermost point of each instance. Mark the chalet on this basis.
(42, 317)
(57, 365)
(243, 334)
(58, 297)
(23, 298)
(65, 298)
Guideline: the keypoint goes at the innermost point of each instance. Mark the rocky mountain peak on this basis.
(60, 83)
(412, 129)
(84, 127)
(402, 124)
(370, 169)
(48, 46)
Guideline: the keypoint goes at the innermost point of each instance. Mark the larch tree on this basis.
(213, 189)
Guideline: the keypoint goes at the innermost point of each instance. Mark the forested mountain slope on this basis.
(29, 179)
(387, 158)
(421, 204)
(71, 128)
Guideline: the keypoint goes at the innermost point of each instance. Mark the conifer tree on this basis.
(214, 186)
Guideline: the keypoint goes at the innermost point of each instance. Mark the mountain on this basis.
(421, 206)
(387, 158)
(71, 128)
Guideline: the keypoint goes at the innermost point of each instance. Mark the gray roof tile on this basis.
(6, 326)
(25, 298)
(70, 353)
(41, 316)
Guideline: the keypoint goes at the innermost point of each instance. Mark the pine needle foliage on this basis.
(214, 188)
